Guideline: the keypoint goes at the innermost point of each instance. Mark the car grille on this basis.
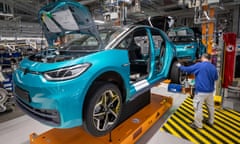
(49, 117)
(22, 94)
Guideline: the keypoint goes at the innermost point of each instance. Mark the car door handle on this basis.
(127, 64)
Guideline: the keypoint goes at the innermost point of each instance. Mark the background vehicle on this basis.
(6, 97)
(87, 80)
(188, 43)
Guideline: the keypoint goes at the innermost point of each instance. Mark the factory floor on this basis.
(17, 130)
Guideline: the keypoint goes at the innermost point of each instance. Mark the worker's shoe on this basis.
(194, 126)
(206, 121)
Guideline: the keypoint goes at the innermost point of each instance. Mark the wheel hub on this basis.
(106, 111)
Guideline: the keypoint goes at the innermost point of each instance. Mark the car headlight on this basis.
(66, 73)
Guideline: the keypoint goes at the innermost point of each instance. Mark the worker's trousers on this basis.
(198, 102)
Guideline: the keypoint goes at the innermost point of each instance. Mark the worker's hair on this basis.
(207, 56)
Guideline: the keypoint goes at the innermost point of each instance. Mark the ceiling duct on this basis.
(5, 9)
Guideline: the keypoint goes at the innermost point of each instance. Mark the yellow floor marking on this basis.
(231, 115)
(228, 123)
(171, 130)
(229, 119)
(225, 133)
(213, 138)
(200, 136)
(233, 111)
(221, 131)
(183, 132)
(192, 131)
(218, 134)
(183, 111)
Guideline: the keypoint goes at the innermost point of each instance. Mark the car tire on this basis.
(102, 109)
(175, 73)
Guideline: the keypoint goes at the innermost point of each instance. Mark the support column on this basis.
(236, 22)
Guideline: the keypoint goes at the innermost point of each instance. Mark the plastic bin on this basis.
(174, 88)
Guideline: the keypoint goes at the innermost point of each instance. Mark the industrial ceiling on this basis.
(20, 16)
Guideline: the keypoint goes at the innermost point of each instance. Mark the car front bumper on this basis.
(58, 104)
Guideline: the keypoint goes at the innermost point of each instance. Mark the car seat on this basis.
(134, 51)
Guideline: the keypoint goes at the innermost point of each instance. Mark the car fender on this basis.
(113, 60)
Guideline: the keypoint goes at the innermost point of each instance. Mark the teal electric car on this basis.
(188, 43)
(86, 80)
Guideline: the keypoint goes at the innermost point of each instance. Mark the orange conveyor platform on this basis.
(128, 132)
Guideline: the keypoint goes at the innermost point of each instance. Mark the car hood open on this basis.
(66, 17)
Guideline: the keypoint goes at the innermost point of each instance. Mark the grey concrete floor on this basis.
(10, 114)
(154, 135)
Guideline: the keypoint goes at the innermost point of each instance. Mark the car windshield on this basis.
(83, 42)
(181, 36)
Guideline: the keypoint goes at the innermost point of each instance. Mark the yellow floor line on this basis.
(171, 130)
(202, 131)
(235, 112)
(183, 132)
(236, 117)
(229, 119)
(192, 131)
(182, 110)
(214, 139)
(226, 141)
(228, 123)
(223, 131)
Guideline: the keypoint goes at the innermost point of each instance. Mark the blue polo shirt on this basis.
(205, 75)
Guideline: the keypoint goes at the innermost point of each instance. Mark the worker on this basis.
(205, 76)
